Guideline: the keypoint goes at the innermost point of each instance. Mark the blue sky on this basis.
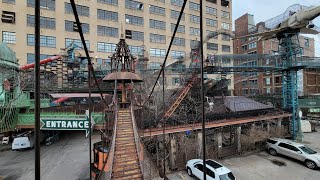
(266, 9)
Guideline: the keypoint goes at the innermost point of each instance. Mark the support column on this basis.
(173, 153)
(268, 127)
(199, 140)
(237, 139)
(218, 138)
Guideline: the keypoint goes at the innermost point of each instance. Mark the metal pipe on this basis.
(44, 61)
(37, 91)
(202, 94)
(90, 130)
(164, 124)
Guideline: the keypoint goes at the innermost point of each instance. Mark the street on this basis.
(67, 158)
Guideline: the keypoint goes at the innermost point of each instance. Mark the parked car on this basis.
(215, 171)
(20, 143)
(294, 150)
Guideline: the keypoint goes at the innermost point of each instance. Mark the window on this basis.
(212, 32)
(135, 20)
(157, 38)
(225, 14)
(293, 148)
(177, 54)
(175, 81)
(225, 37)
(181, 28)
(199, 166)
(211, 10)
(107, 31)
(157, 24)
(212, 46)
(72, 27)
(194, 19)
(268, 90)
(45, 41)
(268, 81)
(225, 48)
(194, 43)
(8, 17)
(194, 31)
(306, 43)
(211, 22)
(136, 50)
(77, 43)
(212, 1)
(277, 80)
(284, 145)
(45, 22)
(301, 51)
(244, 47)
(82, 10)
(225, 26)
(106, 47)
(31, 57)
(175, 15)
(210, 173)
(154, 52)
(155, 65)
(194, 6)
(44, 4)
(9, 1)
(225, 3)
(179, 41)
(157, 10)
(111, 2)
(135, 35)
(177, 2)
(252, 45)
(130, 4)
(8, 37)
(107, 15)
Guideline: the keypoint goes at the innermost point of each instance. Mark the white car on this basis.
(294, 150)
(215, 171)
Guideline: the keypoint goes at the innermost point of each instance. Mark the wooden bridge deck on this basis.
(126, 161)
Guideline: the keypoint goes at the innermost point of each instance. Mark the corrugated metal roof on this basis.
(240, 103)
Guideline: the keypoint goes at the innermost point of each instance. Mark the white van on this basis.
(22, 143)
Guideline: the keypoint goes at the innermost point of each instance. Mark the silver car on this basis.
(294, 150)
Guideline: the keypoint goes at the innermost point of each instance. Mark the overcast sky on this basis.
(266, 9)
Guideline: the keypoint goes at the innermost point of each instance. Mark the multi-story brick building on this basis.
(268, 83)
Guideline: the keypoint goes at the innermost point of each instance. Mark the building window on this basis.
(82, 10)
(194, 6)
(157, 38)
(211, 22)
(136, 50)
(107, 15)
(111, 2)
(44, 4)
(45, 22)
(225, 37)
(154, 52)
(212, 1)
(135, 35)
(45, 41)
(225, 26)
(194, 31)
(107, 31)
(252, 45)
(268, 81)
(8, 17)
(301, 51)
(212, 32)
(157, 10)
(175, 15)
(211, 10)
(9, 1)
(155, 65)
(306, 43)
(212, 46)
(179, 41)
(130, 4)
(76, 42)
(181, 28)
(225, 48)
(31, 57)
(157, 24)
(135, 20)
(176, 81)
(194, 19)
(71, 26)
(8, 37)
(177, 2)
(178, 54)
(225, 14)
(106, 47)
(225, 3)
(194, 43)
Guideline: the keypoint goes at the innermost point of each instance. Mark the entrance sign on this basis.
(68, 123)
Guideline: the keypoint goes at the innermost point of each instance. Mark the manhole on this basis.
(279, 163)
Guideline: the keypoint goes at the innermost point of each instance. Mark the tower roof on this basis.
(7, 56)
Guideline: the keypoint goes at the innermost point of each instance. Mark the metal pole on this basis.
(164, 124)
(37, 90)
(90, 130)
(202, 94)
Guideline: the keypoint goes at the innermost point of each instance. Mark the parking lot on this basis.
(66, 159)
(262, 166)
